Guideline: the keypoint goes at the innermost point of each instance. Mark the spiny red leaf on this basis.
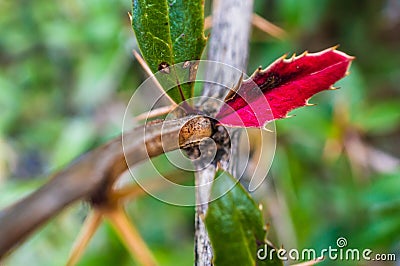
(283, 86)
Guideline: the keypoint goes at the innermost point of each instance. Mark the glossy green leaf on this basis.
(169, 32)
(235, 225)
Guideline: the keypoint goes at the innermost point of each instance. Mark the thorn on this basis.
(155, 113)
(164, 67)
(305, 53)
(289, 116)
(232, 92)
(293, 56)
(347, 73)
(267, 129)
(130, 236)
(260, 207)
(310, 104)
(268, 225)
(334, 88)
(207, 22)
(88, 229)
(130, 16)
(267, 27)
(239, 84)
(257, 71)
(186, 64)
(335, 47)
(146, 68)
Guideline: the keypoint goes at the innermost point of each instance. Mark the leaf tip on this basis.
(334, 50)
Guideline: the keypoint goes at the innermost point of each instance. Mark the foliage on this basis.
(66, 74)
(284, 85)
(235, 224)
(168, 33)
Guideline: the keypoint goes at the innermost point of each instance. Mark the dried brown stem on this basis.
(231, 23)
(91, 176)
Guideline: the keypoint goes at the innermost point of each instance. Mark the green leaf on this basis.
(235, 225)
(170, 32)
(379, 118)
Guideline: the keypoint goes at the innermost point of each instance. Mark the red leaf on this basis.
(283, 86)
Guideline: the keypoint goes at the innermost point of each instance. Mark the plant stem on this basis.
(228, 44)
(93, 174)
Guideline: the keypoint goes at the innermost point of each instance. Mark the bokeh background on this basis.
(67, 73)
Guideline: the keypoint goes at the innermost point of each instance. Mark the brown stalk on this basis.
(92, 175)
(229, 44)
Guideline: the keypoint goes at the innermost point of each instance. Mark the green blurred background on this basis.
(67, 73)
